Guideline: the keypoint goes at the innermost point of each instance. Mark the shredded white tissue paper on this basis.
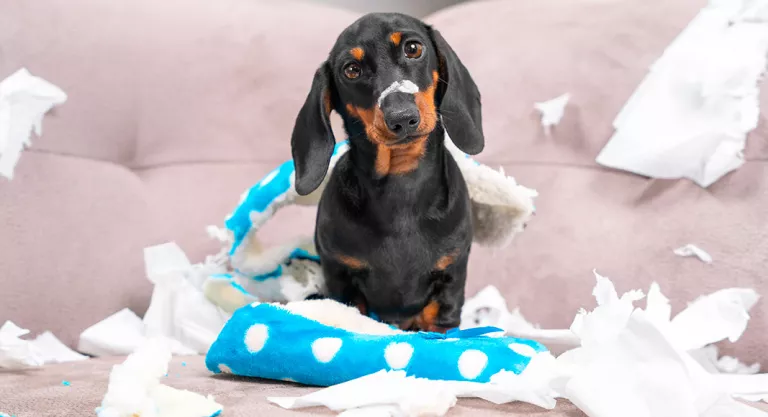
(629, 362)
(117, 335)
(488, 308)
(24, 101)
(721, 315)
(693, 250)
(399, 395)
(709, 358)
(633, 362)
(135, 391)
(552, 110)
(691, 115)
(15, 352)
(53, 350)
(18, 353)
(178, 312)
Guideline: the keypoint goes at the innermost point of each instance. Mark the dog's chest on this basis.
(392, 234)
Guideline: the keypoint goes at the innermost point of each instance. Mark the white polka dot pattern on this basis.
(471, 363)
(256, 337)
(523, 349)
(398, 355)
(325, 348)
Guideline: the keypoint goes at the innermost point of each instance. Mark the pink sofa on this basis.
(176, 107)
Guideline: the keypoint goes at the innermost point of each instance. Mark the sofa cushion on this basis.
(174, 109)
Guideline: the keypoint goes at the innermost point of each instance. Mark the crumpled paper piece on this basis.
(179, 312)
(635, 362)
(489, 308)
(24, 101)
(392, 393)
(691, 115)
(629, 362)
(552, 111)
(53, 350)
(119, 335)
(721, 315)
(18, 353)
(693, 250)
(135, 391)
(709, 358)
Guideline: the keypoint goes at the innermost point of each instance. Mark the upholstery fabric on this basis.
(175, 107)
(44, 395)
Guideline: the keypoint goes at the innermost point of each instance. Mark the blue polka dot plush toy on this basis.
(322, 343)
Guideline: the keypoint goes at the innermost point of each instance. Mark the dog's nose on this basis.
(402, 121)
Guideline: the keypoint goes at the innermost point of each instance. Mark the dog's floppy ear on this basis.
(459, 98)
(312, 141)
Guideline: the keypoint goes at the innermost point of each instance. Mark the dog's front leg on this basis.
(340, 283)
(444, 310)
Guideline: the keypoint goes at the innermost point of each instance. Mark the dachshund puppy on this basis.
(393, 225)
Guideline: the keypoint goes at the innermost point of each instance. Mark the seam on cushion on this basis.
(490, 163)
(496, 164)
(80, 157)
(200, 162)
(67, 155)
(152, 166)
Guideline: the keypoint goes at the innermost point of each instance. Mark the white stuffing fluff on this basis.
(135, 391)
(334, 314)
(500, 206)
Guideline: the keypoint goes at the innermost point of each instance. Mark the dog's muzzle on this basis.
(398, 106)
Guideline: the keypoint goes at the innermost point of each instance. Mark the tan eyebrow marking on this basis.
(358, 53)
(395, 37)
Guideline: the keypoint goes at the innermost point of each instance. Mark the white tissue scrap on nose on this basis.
(402, 86)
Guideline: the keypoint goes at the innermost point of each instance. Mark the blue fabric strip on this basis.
(275, 273)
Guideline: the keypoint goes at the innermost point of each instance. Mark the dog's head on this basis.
(395, 77)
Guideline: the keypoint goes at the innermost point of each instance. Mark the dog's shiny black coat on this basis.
(392, 242)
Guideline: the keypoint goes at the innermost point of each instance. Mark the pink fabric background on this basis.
(175, 107)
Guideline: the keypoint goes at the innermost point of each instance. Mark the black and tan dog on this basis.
(394, 225)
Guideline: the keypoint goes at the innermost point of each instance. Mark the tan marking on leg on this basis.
(362, 308)
(351, 262)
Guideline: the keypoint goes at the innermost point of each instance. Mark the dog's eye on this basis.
(413, 49)
(352, 70)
